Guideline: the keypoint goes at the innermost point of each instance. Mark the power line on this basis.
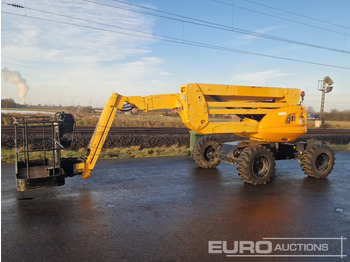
(214, 25)
(156, 36)
(90, 21)
(15, 5)
(297, 14)
(178, 41)
(204, 24)
(282, 18)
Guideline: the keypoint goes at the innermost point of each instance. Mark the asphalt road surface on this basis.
(167, 209)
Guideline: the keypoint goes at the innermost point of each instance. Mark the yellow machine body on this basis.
(285, 124)
(267, 114)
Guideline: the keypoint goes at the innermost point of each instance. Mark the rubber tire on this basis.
(311, 159)
(204, 146)
(247, 161)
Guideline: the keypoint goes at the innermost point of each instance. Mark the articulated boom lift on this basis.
(271, 118)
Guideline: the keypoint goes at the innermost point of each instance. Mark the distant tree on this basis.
(337, 115)
(86, 109)
(8, 103)
(310, 110)
(70, 109)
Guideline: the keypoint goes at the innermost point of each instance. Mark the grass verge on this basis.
(8, 155)
(332, 146)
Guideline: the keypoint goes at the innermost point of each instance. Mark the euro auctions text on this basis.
(280, 247)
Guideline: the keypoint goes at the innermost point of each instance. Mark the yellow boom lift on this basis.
(271, 119)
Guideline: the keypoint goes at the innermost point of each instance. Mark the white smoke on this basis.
(16, 78)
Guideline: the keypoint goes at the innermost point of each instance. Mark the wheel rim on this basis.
(260, 166)
(209, 153)
(322, 162)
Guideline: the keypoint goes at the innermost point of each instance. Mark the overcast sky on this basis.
(81, 51)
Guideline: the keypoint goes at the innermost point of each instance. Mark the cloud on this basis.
(249, 39)
(261, 78)
(31, 40)
(80, 84)
(141, 68)
(263, 31)
(123, 74)
(64, 61)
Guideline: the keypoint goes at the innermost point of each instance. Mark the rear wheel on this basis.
(256, 165)
(204, 152)
(317, 161)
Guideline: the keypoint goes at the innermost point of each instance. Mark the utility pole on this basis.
(325, 86)
(90, 102)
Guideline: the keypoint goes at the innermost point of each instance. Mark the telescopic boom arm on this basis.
(116, 102)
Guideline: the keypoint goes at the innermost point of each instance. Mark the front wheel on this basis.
(256, 165)
(204, 152)
(317, 161)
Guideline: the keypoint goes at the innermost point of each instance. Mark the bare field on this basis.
(338, 124)
(331, 124)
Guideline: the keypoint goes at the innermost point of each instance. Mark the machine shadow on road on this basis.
(201, 174)
(315, 185)
(55, 209)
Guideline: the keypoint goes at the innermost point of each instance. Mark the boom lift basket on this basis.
(42, 137)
